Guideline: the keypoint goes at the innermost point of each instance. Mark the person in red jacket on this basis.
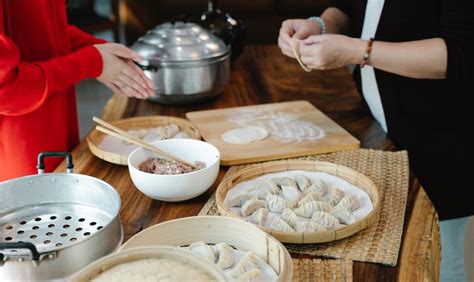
(41, 59)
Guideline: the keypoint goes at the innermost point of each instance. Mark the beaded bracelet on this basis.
(367, 52)
(321, 23)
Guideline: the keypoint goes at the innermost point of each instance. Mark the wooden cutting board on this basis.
(296, 129)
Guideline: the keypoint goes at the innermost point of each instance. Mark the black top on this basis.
(432, 119)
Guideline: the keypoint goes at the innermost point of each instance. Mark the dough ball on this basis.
(245, 135)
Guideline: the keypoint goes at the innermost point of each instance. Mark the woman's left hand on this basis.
(330, 51)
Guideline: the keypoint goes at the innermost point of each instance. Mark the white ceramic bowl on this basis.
(180, 187)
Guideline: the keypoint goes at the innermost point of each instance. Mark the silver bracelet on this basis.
(321, 23)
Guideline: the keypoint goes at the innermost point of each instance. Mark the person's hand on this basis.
(120, 73)
(295, 29)
(330, 51)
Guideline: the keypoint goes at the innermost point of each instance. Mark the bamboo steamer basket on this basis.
(106, 263)
(352, 176)
(217, 229)
(96, 137)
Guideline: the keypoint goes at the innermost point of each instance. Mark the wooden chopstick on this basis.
(112, 130)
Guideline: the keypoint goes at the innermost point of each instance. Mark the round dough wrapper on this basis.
(245, 135)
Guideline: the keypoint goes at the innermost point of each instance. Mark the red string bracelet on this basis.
(367, 52)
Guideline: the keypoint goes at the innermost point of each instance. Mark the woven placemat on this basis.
(379, 243)
(322, 270)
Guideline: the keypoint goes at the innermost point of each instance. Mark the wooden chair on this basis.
(82, 14)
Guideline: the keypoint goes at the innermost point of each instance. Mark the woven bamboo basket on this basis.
(136, 254)
(96, 137)
(353, 177)
(216, 229)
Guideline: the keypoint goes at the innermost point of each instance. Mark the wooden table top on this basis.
(263, 75)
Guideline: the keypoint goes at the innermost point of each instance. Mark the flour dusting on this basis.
(284, 127)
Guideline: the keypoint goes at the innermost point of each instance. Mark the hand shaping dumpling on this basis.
(239, 199)
(203, 250)
(259, 217)
(308, 226)
(226, 255)
(303, 182)
(290, 217)
(251, 206)
(277, 204)
(247, 263)
(349, 202)
(325, 219)
(307, 210)
(279, 224)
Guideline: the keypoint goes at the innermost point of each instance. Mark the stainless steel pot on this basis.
(186, 62)
(54, 224)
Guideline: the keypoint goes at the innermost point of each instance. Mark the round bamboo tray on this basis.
(96, 137)
(216, 229)
(187, 258)
(353, 177)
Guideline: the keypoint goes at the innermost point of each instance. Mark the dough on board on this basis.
(245, 135)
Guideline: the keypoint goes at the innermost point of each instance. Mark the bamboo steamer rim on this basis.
(106, 263)
(350, 175)
(218, 229)
(95, 137)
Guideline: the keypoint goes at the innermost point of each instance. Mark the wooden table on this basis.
(263, 75)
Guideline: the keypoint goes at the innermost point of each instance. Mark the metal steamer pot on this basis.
(54, 224)
(186, 62)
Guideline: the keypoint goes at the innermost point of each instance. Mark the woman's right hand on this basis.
(299, 29)
(120, 73)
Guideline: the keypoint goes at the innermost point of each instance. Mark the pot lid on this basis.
(179, 41)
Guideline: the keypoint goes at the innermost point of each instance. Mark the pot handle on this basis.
(69, 164)
(34, 256)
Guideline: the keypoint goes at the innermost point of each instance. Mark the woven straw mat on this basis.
(380, 243)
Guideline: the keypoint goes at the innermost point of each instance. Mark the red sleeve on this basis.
(25, 86)
(80, 39)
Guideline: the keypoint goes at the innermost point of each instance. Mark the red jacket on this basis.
(41, 58)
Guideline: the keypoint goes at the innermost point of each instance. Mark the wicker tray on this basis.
(96, 137)
(345, 173)
(216, 229)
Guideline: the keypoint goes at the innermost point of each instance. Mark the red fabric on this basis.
(41, 58)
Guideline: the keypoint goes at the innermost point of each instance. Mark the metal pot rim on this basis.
(185, 63)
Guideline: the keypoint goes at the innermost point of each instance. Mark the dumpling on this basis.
(334, 196)
(226, 255)
(248, 262)
(303, 182)
(253, 275)
(279, 224)
(268, 185)
(277, 204)
(291, 194)
(308, 226)
(203, 250)
(319, 186)
(259, 217)
(348, 202)
(313, 196)
(344, 216)
(325, 219)
(307, 210)
(260, 193)
(251, 206)
(285, 181)
(239, 199)
(290, 217)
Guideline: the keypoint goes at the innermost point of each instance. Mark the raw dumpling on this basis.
(312, 196)
(290, 217)
(334, 196)
(259, 217)
(253, 275)
(260, 193)
(325, 219)
(344, 216)
(226, 255)
(203, 250)
(319, 186)
(303, 182)
(307, 210)
(269, 185)
(251, 206)
(349, 202)
(277, 204)
(279, 224)
(308, 226)
(247, 263)
(291, 194)
(239, 199)
(285, 181)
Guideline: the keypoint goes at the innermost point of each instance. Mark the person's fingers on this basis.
(145, 78)
(112, 87)
(130, 82)
(312, 39)
(286, 49)
(133, 74)
(124, 52)
(127, 90)
(309, 50)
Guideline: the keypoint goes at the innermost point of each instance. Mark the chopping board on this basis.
(295, 129)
